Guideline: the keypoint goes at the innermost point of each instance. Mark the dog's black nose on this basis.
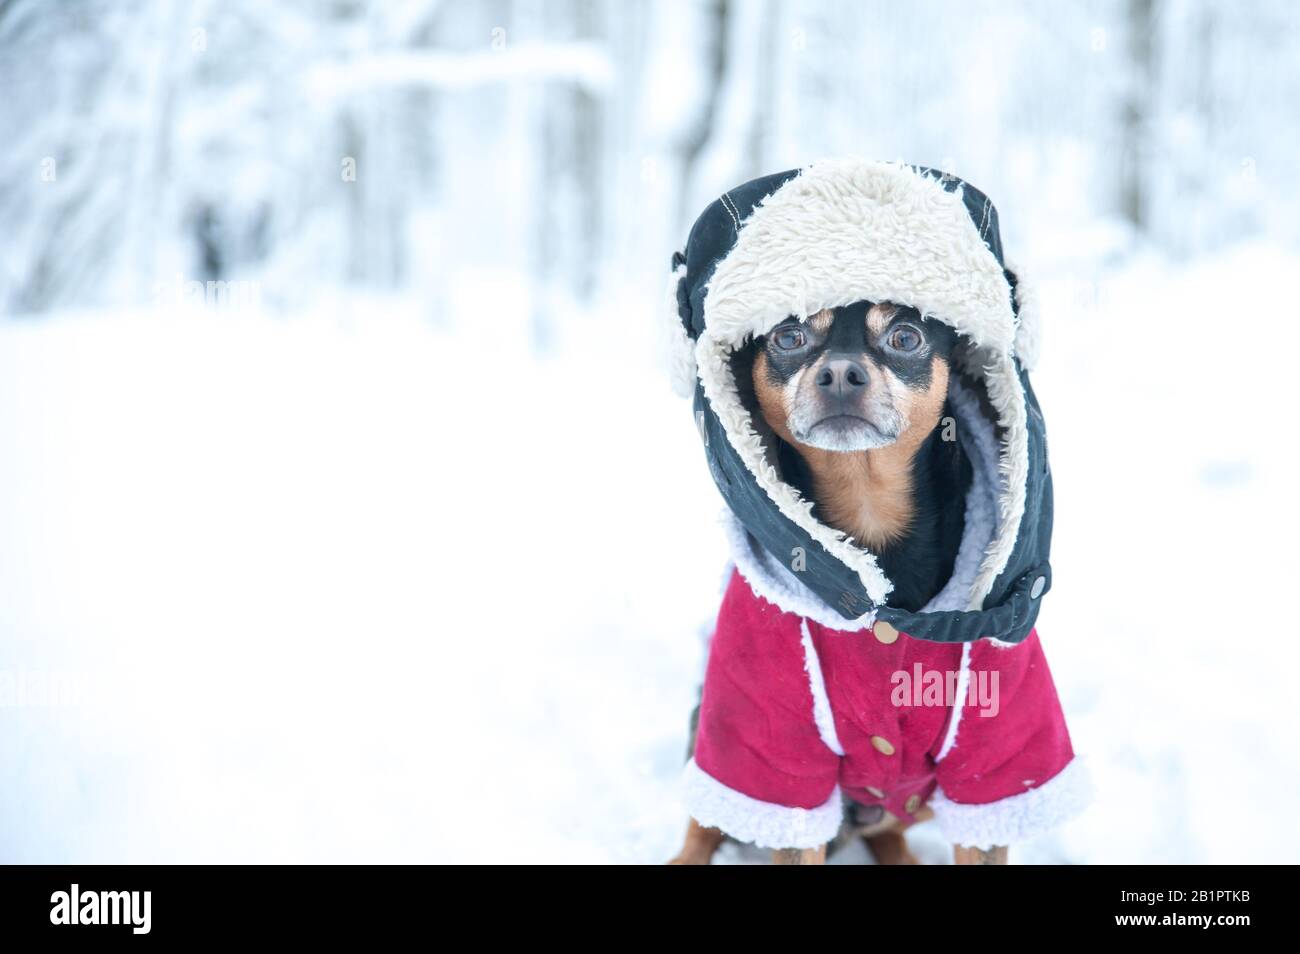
(842, 377)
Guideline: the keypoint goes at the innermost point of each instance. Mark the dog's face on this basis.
(853, 378)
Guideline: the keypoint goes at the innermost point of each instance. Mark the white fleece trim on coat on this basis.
(1018, 817)
(768, 579)
(851, 230)
(1029, 333)
(822, 714)
(958, 704)
(765, 824)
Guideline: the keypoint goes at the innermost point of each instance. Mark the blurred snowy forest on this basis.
(346, 514)
(308, 145)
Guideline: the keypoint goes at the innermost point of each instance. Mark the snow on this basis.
(355, 585)
(284, 560)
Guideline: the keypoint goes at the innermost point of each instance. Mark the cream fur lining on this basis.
(765, 824)
(677, 345)
(1018, 817)
(823, 716)
(768, 578)
(958, 707)
(850, 230)
(1029, 334)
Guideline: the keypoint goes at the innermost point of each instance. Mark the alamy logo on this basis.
(934, 688)
(102, 907)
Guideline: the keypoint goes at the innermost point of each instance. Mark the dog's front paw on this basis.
(699, 846)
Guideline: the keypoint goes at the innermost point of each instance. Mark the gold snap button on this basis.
(912, 804)
(881, 745)
(875, 792)
(884, 632)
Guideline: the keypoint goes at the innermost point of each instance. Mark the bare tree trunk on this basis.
(759, 140)
(587, 166)
(570, 230)
(1136, 116)
(719, 26)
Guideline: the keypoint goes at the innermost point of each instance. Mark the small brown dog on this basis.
(857, 396)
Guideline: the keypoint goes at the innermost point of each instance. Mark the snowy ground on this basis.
(364, 587)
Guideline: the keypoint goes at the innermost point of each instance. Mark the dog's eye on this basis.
(905, 338)
(788, 339)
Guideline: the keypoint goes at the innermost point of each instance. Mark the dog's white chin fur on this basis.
(847, 437)
(847, 441)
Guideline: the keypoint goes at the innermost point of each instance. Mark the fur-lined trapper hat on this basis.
(829, 235)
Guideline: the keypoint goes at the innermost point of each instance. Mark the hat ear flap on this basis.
(679, 346)
(1029, 334)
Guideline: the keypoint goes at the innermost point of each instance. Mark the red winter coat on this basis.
(794, 714)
